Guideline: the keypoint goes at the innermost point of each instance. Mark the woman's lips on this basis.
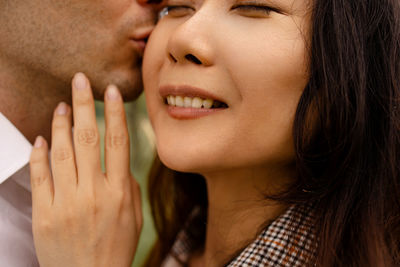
(182, 113)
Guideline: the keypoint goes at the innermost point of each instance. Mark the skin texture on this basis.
(257, 63)
(44, 43)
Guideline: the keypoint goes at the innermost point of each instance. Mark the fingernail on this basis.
(80, 81)
(112, 93)
(61, 109)
(38, 142)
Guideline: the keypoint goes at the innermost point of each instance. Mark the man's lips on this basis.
(140, 45)
(142, 33)
(139, 38)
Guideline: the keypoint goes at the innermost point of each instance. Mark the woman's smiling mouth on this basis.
(185, 102)
(193, 102)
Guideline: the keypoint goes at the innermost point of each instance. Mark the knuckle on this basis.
(123, 200)
(117, 140)
(87, 137)
(62, 154)
(119, 196)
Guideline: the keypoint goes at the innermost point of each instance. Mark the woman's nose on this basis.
(190, 43)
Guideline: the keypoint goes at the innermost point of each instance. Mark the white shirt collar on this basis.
(15, 149)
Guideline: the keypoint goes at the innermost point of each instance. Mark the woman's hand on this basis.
(81, 216)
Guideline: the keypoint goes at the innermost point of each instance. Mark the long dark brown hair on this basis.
(347, 141)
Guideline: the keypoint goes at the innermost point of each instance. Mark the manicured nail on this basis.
(61, 109)
(38, 142)
(80, 81)
(112, 93)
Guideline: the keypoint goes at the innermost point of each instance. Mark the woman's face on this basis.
(248, 60)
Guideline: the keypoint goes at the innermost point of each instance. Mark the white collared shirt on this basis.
(16, 241)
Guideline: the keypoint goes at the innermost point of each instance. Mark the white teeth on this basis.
(172, 100)
(189, 102)
(208, 103)
(197, 102)
(179, 101)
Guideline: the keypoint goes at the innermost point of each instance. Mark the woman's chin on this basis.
(180, 162)
(175, 164)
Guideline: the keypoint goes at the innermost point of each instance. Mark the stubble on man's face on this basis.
(63, 37)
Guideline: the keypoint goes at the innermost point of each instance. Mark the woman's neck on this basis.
(238, 210)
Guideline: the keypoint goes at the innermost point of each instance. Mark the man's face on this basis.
(102, 38)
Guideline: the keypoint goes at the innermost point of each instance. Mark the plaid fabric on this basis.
(289, 241)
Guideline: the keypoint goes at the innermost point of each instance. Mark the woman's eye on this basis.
(175, 11)
(254, 10)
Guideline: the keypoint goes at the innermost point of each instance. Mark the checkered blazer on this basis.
(288, 241)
